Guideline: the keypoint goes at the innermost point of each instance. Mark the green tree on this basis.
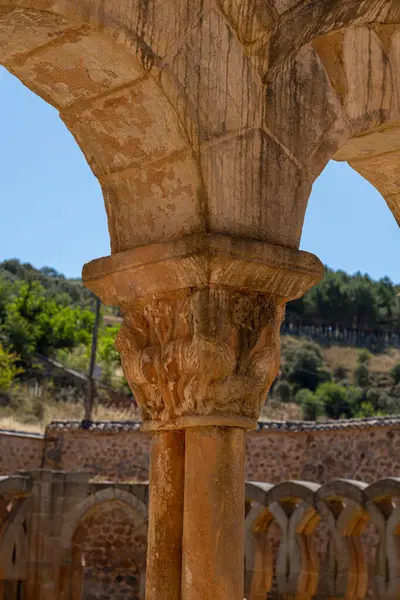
(9, 369)
(108, 357)
(380, 401)
(366, 410)
(35, 324)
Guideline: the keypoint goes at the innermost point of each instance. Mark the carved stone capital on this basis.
(200, 340)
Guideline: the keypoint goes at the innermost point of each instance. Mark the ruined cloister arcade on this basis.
(206, 123)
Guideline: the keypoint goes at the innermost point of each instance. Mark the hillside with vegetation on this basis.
(349, 301)
(46, 323)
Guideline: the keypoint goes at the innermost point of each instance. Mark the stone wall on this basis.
(110, 451)
(366, 450)
(20, 451)
(113, 552)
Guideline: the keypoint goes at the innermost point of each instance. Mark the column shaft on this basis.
(164, 559)
(213, 530)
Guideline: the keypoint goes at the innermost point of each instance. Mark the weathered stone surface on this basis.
(138, 82)
(248, 173)
(211, 352)
(131, 126)
(310, 120)
(369, 79)
(214, 462)
(310, 19)
(221, 89)
(336, 538)
(22, 31)
(282, 6)
(383, 172)
(251, 20)
(81, 66)
(383, 140)
(201, 261)
(156, 203)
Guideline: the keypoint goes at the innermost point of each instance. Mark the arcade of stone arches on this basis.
(64, 537)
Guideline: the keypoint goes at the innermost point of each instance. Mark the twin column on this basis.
(200, 348)
(196, 537)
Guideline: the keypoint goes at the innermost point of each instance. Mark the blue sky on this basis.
(52, 211)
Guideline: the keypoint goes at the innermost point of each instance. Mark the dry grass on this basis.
(280, 411)
(13, 424)
(345, 356)
(29, 412)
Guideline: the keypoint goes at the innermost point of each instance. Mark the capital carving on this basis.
(213, 351)
(200, 338)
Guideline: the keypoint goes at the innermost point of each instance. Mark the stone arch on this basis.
(103, 543)
(332, 92)
(93, 64)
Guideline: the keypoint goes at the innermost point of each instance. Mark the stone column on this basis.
(164, 556)
(200, 348)
(213, 537)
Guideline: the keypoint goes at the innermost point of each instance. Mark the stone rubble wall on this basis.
(365, 450)
(365, 454)
(109, 452)
(20, 451)
(114, 554)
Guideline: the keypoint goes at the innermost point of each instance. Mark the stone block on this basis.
(127, 128)
(157, 203)
(81, 66)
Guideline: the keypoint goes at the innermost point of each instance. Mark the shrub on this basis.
(283, 391)
(310, 404)
(366, 410)
(373, 397)
(395, 374)
(338, 401)
(304, 367)
(364, 356)
(340, 373)
(361, 375)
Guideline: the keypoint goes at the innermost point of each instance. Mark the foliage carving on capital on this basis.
(201, 352)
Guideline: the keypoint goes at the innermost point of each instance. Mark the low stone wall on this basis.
(109, 451)
(20, 451)
(366, 450)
